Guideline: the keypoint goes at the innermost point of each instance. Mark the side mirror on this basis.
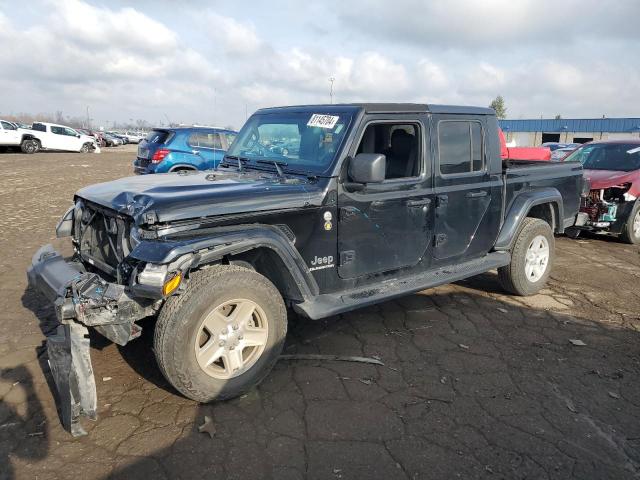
(368, 168)
(77, 135)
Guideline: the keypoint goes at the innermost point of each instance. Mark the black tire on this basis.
(572, 232)
(29, 146)
(628, 235)
(85, 148)
(179, 321)
(513, 277)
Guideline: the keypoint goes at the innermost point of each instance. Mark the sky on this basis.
(214, 62)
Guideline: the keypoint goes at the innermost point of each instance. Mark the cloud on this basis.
(492, 23)
(206, 65)
(234, 36)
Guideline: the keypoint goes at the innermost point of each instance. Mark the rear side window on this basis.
(58, 130)
(158, 136)
(461, 147)
(39, 127)
(205, 140)
(230, 138)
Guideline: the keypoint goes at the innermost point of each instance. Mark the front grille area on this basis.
(101, 237)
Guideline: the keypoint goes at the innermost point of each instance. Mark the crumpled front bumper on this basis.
(81, 299)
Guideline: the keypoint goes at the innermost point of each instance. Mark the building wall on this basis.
(534, 139)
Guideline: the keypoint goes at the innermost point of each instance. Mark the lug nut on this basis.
(232, 347)
(240, 337)
(235, 327)
(221, 343)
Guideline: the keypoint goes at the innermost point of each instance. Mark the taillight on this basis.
(159, 155)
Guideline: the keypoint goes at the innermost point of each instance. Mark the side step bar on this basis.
(332, 304)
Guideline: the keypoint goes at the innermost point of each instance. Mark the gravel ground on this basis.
(476, 384)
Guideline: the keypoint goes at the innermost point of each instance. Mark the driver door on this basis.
(386, 226)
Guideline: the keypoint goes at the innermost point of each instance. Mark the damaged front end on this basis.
(81, 299)
(606, 209)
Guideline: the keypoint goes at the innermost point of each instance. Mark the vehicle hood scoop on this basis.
(172, 196)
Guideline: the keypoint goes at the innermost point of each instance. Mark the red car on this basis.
(541, 154)
(612, 205)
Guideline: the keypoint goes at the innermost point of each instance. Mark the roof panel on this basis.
(631, 124)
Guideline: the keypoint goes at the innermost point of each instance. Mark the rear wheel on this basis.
(222, 335)
(631, 231)
(29, 146)
(531, 259)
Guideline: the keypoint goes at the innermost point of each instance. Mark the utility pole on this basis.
(88, 119)
(331, 80)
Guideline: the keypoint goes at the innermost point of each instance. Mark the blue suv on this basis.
(183, 148)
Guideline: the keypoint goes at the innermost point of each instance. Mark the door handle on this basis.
(481, 193)
(418, 203)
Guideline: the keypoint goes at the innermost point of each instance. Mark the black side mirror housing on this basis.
(368, 168)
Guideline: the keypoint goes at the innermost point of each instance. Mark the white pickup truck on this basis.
(46, 136)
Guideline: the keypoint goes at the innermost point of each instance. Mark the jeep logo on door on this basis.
(318, 263)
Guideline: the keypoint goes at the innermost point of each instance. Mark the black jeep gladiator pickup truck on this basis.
(320, 208)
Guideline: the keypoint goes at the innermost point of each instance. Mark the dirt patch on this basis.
(475, 383)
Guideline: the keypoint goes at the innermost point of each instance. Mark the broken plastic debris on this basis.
(577, 342)
(330, 358)
(207, 427)
(614, 395)
(503, 310)
(106, 379)
(462, 345)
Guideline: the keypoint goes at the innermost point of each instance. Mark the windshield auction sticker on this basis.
(322, 121)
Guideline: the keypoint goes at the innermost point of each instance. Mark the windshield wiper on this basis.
(276, 164)
(234, 157)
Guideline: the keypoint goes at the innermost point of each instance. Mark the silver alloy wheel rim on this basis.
(231, 338)
(537, 258)
(636, 225)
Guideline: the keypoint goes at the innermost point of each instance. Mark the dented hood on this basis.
(610, 178)
(174, 196)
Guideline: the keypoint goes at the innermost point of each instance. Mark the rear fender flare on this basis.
(520, 209)
(222, 242)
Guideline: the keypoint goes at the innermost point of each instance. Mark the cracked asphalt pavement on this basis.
(475, 383)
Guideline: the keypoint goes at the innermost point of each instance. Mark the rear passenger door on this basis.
(208, 146)
(467, 194)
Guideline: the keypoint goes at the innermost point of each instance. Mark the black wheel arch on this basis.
(545, 204)
(265, 247)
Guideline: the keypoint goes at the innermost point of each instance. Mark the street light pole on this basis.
(331, 80)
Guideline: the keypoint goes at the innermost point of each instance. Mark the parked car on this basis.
(13, 136)
(183, 148)
(47, 136)
(381, 201)
(123, 139)
(111, 140)
(542, 154)
(134, 137)
(613, 171)
(553, 146)
(559, 153)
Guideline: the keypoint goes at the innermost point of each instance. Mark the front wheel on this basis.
(29, 146)
(223, 335)
(85, 148)
(631, 231)
(531, 259)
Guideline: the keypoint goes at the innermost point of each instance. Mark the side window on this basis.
(39, 127)
(230, 138)
(461, 147)
(57, 130)
(8, 126)
(70, 132)
(194, 140)
(399, 142)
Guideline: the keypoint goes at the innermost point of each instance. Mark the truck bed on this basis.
(521, 176)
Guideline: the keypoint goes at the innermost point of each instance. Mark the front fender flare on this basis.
(219, 242)
(519, 210)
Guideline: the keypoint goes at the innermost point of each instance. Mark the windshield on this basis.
(608, 156)
(298, 141)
